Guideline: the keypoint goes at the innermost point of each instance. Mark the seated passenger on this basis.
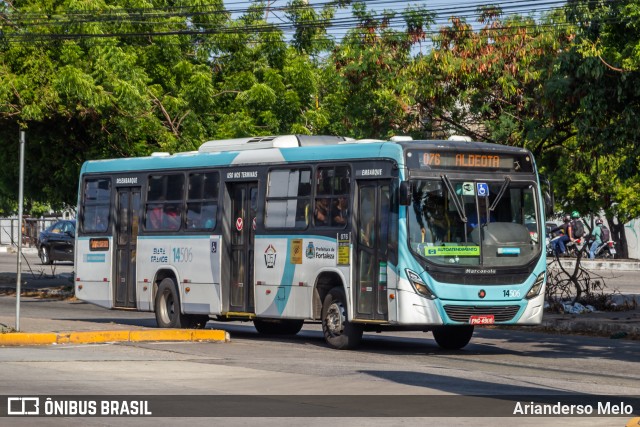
(340, 212)
(172, 219)
(321, 211)
(154, 218)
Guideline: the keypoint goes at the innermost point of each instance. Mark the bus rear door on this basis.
(127, 224)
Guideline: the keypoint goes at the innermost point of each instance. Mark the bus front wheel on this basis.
(167, 306)
(338, 331)
(453, 337)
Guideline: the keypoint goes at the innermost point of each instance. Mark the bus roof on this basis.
(283, 149)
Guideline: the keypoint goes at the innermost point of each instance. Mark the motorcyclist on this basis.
(597, 236)
(559, 244)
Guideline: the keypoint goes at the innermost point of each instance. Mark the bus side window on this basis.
(302, 214)
(321, 212)
(171, 218)
(202, 201)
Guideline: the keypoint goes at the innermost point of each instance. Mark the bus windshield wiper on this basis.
(457, 202)
(505, 184)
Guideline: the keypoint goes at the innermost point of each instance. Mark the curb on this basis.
(620, 329)
(94, 337)
(589, 264)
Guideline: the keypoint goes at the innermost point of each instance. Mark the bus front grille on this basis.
(461, 313)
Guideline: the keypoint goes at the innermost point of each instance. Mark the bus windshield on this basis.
(489, 223)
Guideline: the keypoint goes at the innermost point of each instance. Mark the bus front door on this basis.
(127, 221)
(372, 251)
(244, 203)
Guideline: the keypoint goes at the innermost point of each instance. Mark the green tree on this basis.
(599, 81)
(367, 91)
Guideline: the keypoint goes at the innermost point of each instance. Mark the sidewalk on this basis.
(602, 264)
(39, 331)
(612, 324)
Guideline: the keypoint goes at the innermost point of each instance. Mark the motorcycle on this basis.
(606, 250)
(572, 248)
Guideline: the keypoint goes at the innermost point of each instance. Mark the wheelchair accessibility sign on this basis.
(482, 189)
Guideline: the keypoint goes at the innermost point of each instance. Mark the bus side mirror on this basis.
(405, 193)
(547, 194)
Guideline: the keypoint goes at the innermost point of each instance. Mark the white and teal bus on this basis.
(361, 235)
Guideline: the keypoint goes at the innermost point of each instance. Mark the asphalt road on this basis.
(505, 362)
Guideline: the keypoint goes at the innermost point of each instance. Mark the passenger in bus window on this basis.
(154, 217)
(172, 219)
(340, 211)
(321, 212)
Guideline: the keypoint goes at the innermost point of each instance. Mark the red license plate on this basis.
(485, 319)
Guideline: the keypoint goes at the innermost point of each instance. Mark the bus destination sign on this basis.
(472, 161)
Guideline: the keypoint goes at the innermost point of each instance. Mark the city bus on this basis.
(359, 235)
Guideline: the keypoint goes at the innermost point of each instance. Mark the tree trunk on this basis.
(619, 236)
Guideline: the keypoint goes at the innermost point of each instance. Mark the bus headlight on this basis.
(419, 285)
(537, 286)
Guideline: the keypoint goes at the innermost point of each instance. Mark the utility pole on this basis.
(20, 207)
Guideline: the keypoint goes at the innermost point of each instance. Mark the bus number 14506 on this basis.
(182, 255)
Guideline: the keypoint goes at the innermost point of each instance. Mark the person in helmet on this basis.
(559, 244)
(597, 236)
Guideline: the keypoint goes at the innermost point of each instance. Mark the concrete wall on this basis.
(632, 231)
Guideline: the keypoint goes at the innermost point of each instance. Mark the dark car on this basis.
(56, 243)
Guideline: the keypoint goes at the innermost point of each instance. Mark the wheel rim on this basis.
(335, 319)
(45, 255)
(167, 307)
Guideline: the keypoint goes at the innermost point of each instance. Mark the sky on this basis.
(444, 10)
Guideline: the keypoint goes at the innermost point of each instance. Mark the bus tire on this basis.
(453, 337)
(338, 331)
(278, 326)
(167, 306)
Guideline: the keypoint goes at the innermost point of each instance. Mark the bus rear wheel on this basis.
(453, 337)
(338, 331)
(167, 306)
(278, 326)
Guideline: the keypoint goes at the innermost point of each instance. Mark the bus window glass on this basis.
(288, 198)
(164, 202)
(202, 201)
(503, 236)
(332, 203)
(96, 203)
(367, 217)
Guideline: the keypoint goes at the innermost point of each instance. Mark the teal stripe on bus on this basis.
(345, 152)
(286, 282)
(178, 161)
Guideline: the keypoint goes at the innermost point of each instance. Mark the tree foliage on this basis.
(98, 79)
